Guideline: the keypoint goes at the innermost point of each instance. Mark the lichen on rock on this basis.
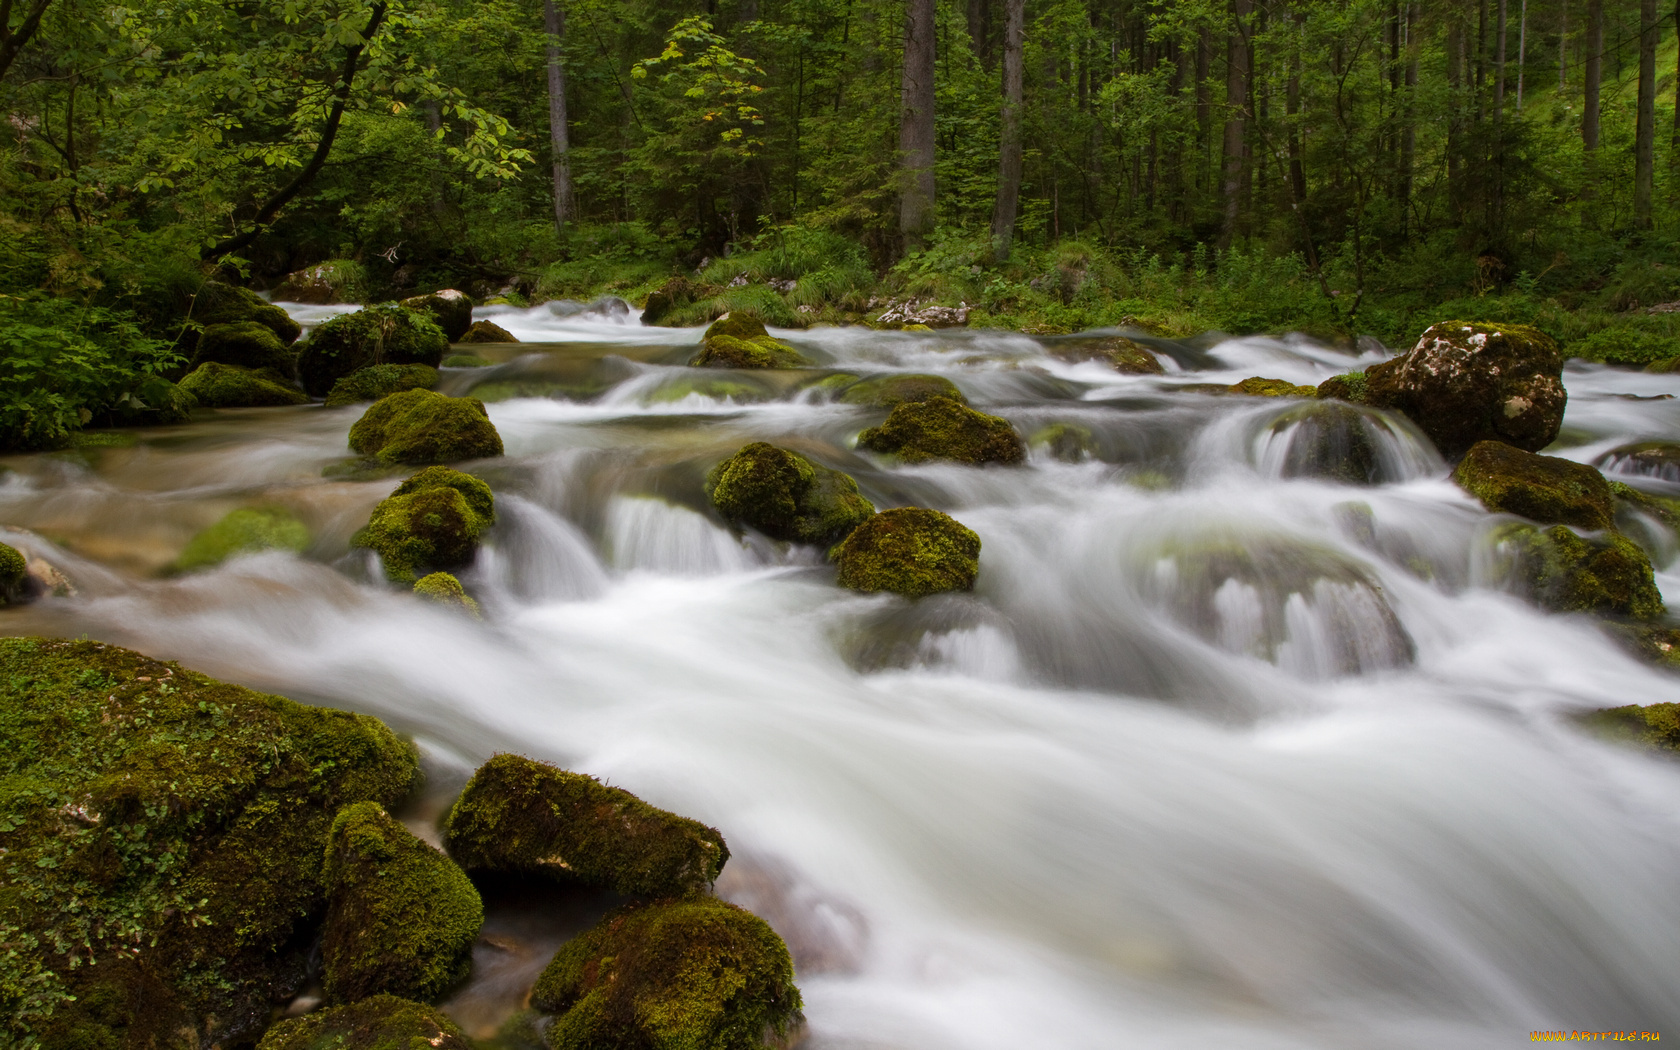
(380, 1022)
(418, 427)
(1349, 386)
(1260, 386)
(1546, 489)
(940, 428)
(431, 522)
(243, 531)
(1131, 357)
(216, 385)
(377, 381)
(786, 496)
(738, 340)
(247, 344)
(910, 551)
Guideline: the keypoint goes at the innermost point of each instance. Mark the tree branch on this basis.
(12, 43)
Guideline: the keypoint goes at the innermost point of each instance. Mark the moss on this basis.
(1654, 726)
(737, 340)
(487, 332)
(1568, 573)
(419, 426)
(686, 975)
(444, 589)
(910, 551)
(377, 335)
(13, 570)
(1258, 386)
(940, 428)
(160, 403)
(376, 381)
(786, 496)
(229, 386)
(668, 297)
(333, 281)
(382, 1022)
(1663, 509)
(162, 836)
(432, 521)
(218, 303)
(1131, 357)
(686, 384)
(890, 391)
(246, 344)
(243, 531)
(1349, 386)
(518, 815)
(1542, 488)
(466, 361)
(1068, 442)
(450, 309)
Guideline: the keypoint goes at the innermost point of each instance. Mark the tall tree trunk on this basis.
(1563, 44)
(559, 137)
(915, 130)
(1593, 75)
(1674, 137)
(12, 41)
(1499, 66)
(1408, 123)
(1455, 111)
(1645, 125)
(1522, 49)
(977, 34)
(1009, 148)
(1204, 107)
(1236, 109)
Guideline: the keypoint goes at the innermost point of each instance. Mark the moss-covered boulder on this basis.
(431, 522)
(444, 589)
(216, 385)
(333, 281)
(449, 308)
(737, 340)
(419, 426)
(487, 332)
(1349, 386)
(244, 531)
(386, 334)
(377, 381)
(14, 575)
(890, 391)
(667, 299)
(1542, 488)
(218, 303)
(1654, 725)
(401, 917)
(940, 428)
(382, 1022)
(1326, 440)
(155, 402)
(697, 974)
(786, 496)
(1260, 386)
(911, 551)
(526, 817)
(1570, 573)
(1466, 382)
(1131, 357)
(246, 344)
(1068, 442)
(164, 835)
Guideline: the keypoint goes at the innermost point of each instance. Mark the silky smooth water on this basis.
(1220, 751)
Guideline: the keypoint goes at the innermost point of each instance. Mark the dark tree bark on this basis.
(1645, 125)
(1593, 75)
(1204, 107)
(1236, 119)
(559, 137)
(1009, 150)
(915, 130)
(1408, 122)
(1500, 34)
(12, 42)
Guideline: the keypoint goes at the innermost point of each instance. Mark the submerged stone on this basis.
(487, 332)
(1131, 357)
(449, 308)
(444, 589)
(910, 551)
(786, 496)
(377, 381)
(737, 340)
(890, 391)
(431, 522)
(381, 1022)
(376, 335)
(1654, 725)
(419, 426)
(246, 344)
(1541, 488)
(466, 361)
(1328, 440)
(1568, 573)
(1259, 386)
(1645, 459)
(526, 817)
(244, 531)
(216, 385)
(1068, 442)
(940, 428)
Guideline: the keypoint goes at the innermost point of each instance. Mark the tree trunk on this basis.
(1009, 150)
(1522, 49)
(1674, 137)
(1563, 44)
(1499, 66)
(1455, 111)
(12, 41)
(1645, 126)
(558, 134)
(915, 130)
(1408, 123)
(1204, 108)
(1593, 75)
(1236, 123)
(979, 32)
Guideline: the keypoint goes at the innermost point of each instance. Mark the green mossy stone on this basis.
(487, 332)
(1259, 386)
(890, 391)
(1349, 386)
(444, 589)
(431, 522)
(382, 1022)
(244, 531)
(1068, 442)
(696, 975)
(738, 340)
(401, 917)
(246, 344)
(1654, 726)
(1663, 509)
(466, 361)
(717, 387)
(519, 815)
(277, 321)
(170, 827)
(1541, 488)
(156, 403)
(1132, 357)
(1568, 573)
(377, 381)
(910, 551)
(675, 293)
(786, 496)
(418, 427)
(451, 309)
(218, 303)
(940, 428)
(216, 385)
(377, 335)
(13, 568)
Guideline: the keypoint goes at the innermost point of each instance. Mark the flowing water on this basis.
(1242, 739)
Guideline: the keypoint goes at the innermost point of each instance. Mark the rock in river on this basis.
(786, 496)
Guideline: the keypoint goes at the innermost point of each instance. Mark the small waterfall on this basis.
(534, 555)
(647, 534)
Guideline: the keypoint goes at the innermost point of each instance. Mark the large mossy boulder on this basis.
(786, 496)
(1566, 572)
(890, 391)
(739, 340)
(1131, 357)
(381, 1022)
(14, 575)
(401, 917)
(697, 974)
(386, 334)
(1349, 386)
(940, 428)
(244, 531)
(432, 522)
(1655, 726)
(526, 817)
(910, 551)
(218, 303)
(675, 293)
(1541, 488)
(487, 332)
(246, 344)
(164, 836)
(419, 427)
(449, 308)
(1466, 382)
(1260, 386)
(333, 281)
(216, 385)
(377, 381)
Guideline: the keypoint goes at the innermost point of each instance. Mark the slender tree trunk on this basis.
(1408, 123)
(916, 141)
(1522, 49)
(1009, 150)
(1455, 111)
(559, 138)
(1563, 44)
(1204, 107)
(1674, 137)
(1500, 34)
(1645, 126)
(1236, 109)
(1593, 75)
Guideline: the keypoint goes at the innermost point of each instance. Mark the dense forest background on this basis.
(1340, 167)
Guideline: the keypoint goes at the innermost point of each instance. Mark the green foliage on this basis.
(377, 381)
(910, 551)
(243, 531)
(1654, 725)
(940, 428)
(418, 427)
(432, 521)
(380, 1022)
(786, 496)
(216, 385)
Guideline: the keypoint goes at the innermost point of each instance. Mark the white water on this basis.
(1216, 754)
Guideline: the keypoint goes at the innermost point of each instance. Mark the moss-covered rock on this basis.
(431, 522)
(1131, 357)
(1327, 440)
(156, 402)
(737, 340)
(522, 816)
(1349, 386)
(419, 426)
(910, 551)
(246, 344)
(487, 332)
(1568, 573)
(1068, 442)
(401, 917)
(450, 309)
(940, 428)
(1542, 488)
(721, 388)
(382, 1022)
(666, 299)
(333, 281)
(445, 589)
(14, 575)
(696, 975)
(1654, 725)
(890, 391)
(218, 303)
(244, 531)
(786, 496)
(1259, 386)
(216, 385)
(377, 381)
(377, 335)
(163, 836)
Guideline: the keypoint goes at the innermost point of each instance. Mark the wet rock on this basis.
(246, 344)
(487, 332)
(1629, 500)
(450, 309)
(1259, 386)
(432, 522)
(173, 828)
(526, 817)
(1645, 459)
(334, 281)
(377, 381)
(669, 297)
(940, 428)
(699, 974)
(1565, 572)
(218, 303)
(244, 531)
(786, 496)
(906, 315)
(1068, 442)
(382, 1022)
(720, 388)
(737, 340)
(14, 575)
(1467, 382)
(824, 933)
(377, 335)
(1131, 357)
(910, 551)
(419, 426)
(444, 589)
(1541, 488)
(1654, 642)
(401, 917)
(216, 385)
(890, 391)
(1328, 440)
(1654, 725)
(1349, 386)
(42, 580)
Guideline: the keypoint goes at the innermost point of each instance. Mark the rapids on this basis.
(1225, 749)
